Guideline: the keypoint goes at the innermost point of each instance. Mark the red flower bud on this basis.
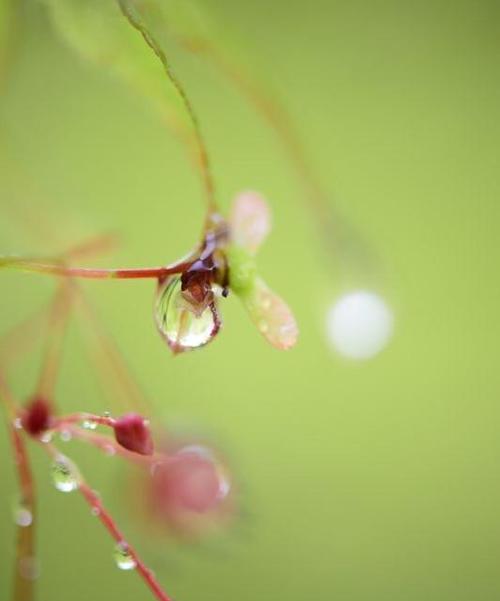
(132, 432)
(36, 417)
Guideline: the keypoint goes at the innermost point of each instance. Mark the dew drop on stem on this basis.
(123, 558)
(64, 475)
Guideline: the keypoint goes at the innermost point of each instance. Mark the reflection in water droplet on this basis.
(179, 325)
(123, 558)
(23, 516)
(64, 475)
(88, 424)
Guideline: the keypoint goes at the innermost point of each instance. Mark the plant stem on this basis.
(95, 503)
(23, 584)
(202, 149)
(25, 547)
(59, 269)
(146, 574)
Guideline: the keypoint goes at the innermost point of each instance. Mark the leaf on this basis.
(250, 221)
(272, 316)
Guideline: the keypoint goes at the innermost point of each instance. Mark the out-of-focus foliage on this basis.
(98, 30)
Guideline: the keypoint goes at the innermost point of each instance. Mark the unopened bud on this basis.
(132, 432)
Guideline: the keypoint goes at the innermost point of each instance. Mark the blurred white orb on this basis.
(359, 324)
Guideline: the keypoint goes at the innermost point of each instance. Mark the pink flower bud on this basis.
(188, 481)
(133, 433)
(37, 417)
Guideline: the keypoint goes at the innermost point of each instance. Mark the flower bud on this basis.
(132, 433)
(36, 418)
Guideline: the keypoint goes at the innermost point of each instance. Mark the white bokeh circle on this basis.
(359, 324)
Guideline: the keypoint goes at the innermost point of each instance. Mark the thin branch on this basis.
(202, 149)
(59, 269)
(95, 503)
(23, 577)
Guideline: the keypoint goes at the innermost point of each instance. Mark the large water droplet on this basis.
(64, 475)
(177, 322)
(123, 558)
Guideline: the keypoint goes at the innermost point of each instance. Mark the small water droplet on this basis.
(65, 435)
(29, 568)
(178, 323)
(106, 414)
(123, 558)
(95, 511)
(23, 516)
(46, 437)
(18, 423)
(89, 424)
(64, 475)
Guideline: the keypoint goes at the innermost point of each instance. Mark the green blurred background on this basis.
(374, 480)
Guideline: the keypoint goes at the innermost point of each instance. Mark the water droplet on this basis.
(65, 435)
(18, 423)
(123, 558)
(106, 414)
(95, 511)
(110, 450)
(29, 568)
(177, 322)
(23, 516)
(89, 424)
(64, 475)
(46, 437)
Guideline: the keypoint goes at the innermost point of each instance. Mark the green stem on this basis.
(202, 149)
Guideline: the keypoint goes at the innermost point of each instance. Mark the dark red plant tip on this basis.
(132, 432)
(37, 417)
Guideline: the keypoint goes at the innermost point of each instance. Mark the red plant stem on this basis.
(25, 546)
(147, 575)
(93, 500)
(60, 423)
(36, 266)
